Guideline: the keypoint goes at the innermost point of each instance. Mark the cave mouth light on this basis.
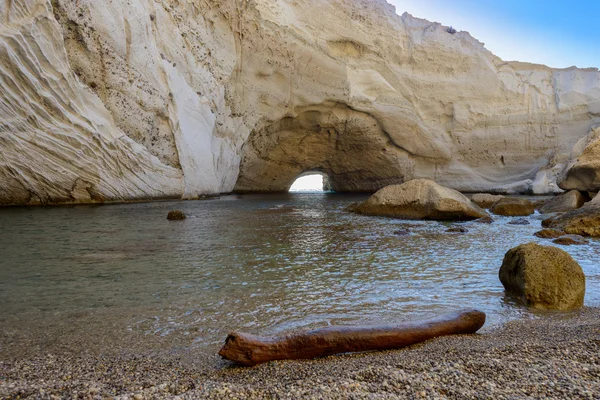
(309, 183)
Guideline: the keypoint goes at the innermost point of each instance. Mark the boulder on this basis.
(485, 200)
(176, 215)
(571, 200)
(584, 221)
(544, 277)
(513, 207)
(420, 199)
(549, 233)
(568, 240)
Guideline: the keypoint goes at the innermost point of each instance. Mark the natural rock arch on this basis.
(346, 145)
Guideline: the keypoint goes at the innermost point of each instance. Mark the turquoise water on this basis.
(93, 276)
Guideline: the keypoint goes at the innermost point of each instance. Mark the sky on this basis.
(558, 33)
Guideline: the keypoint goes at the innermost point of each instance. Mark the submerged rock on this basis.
(544, 277)
(457, 230)
(513, 207)
(549, 233)
(176, 215)
(568, 240)
(571, 200)
(584, 221)
(420, 199)
(519, 221)
(485, 220)
(402, 232)
(485, 200)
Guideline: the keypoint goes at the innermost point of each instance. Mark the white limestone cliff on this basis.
(136, 99)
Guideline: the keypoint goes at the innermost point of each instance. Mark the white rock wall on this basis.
(133, 99)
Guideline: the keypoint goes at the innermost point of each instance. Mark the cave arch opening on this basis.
(311, 182)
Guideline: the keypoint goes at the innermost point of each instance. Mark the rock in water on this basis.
(248, 350)
(513, 207)
(584, 221)
(549, 233)
(544, 277)
(519, 221)
(485, 200)
(569, 240)
(571, 200)
(176, 216)
(457, 230)
(420, 199)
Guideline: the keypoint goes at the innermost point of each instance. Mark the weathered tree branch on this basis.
(248, 350)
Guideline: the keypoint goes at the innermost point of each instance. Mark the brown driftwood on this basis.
(248, 350)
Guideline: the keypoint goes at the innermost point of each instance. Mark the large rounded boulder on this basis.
(421, 199)
(513, 207)
(544, 277)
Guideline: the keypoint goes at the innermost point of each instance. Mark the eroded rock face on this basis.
(420, 199)
(584, 175)
(571, 200)
(544, 277)
(584, 221)
(144, 99)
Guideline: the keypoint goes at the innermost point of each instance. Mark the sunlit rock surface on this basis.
(139, 99)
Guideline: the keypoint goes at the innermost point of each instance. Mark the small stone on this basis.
(485, 220)
(176, 215)
(402, 232)
(519, 221)
(457, 230)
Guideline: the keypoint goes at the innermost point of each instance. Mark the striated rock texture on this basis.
(135, 99)
(544, 277)
(420, 199)
(584, 174)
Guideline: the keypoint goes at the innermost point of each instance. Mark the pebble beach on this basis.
(555, 356)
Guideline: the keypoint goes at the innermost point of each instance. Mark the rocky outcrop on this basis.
(513, 207)
(128, 99)
(485, 200)
(571, 200)
(544, 277)
(584, 174)
(584, 221)
(420, 199)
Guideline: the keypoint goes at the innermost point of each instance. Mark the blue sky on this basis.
(558, 33)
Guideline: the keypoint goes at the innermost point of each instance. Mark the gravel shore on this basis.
(552, 357)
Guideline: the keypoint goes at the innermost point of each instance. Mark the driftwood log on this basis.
(248, 350)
